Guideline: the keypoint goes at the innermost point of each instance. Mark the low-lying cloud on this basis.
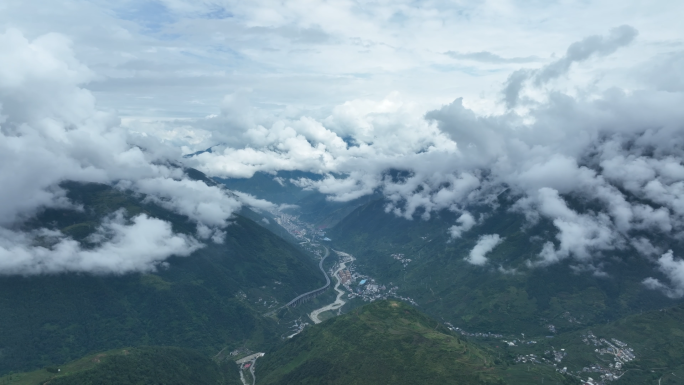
(485, 244)
(120, 246)
(673, 269)
(464, 223)
(51, 132)
(602, 163)
(617, 149)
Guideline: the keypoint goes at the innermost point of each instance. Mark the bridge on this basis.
(311, 294)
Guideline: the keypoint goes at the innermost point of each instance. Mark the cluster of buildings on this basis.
(465, 333)
(606, 373)
(555, 356)
(612, 371)
(400, 258)
(531, 358)
(619, 349)
(367, 288)
(240, 351)
(290, 223)
(512, 342)
(623, 354)
(345, 276)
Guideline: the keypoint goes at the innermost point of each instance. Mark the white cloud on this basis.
(343, 91)
(600, 144)
(51, 132)
(139, 246)
(464, 223)
(485, 244)
(674, 271)
(596, 144)
(208, 205)
(577, 52)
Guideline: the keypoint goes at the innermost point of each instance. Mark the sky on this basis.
(548, 99)
(178, 59)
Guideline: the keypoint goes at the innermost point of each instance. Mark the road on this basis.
(327, 280)
(303, 296)
(251, 359)
(338, 301)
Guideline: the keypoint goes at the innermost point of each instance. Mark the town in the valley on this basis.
(366, 288)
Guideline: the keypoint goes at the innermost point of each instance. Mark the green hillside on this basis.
(657, 338)
(654, 338)
(210, 300)
(504, 295)
(143, 365)
(389, 342)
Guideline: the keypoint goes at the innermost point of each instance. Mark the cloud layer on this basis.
(589, 140)
(485, 244)
(51, 132)
(566, 146)
(120, 247)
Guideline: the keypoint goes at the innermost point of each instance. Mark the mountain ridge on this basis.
(208, 300)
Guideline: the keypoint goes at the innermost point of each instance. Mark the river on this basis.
(339, 302)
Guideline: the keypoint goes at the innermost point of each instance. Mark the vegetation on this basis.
(207, 301)
(215, 300)
(387, 342)
(504, 295)
(657, 338)
(143, 365)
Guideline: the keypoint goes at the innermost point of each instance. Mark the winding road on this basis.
(311, 293)
(320, 289)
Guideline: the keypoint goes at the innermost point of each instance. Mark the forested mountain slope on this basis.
(504, 294)
(209, 300)
(142, 365)
(389, 342)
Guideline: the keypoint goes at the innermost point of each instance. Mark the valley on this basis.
(338, 300)
(341, 192)
(567, 346)
(545, 341)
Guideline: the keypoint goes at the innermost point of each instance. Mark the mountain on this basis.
(210, 300)
(142, 365)
(504, 294)
(389, 342)
(655, 337)
(643, 348)
(312, 206)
